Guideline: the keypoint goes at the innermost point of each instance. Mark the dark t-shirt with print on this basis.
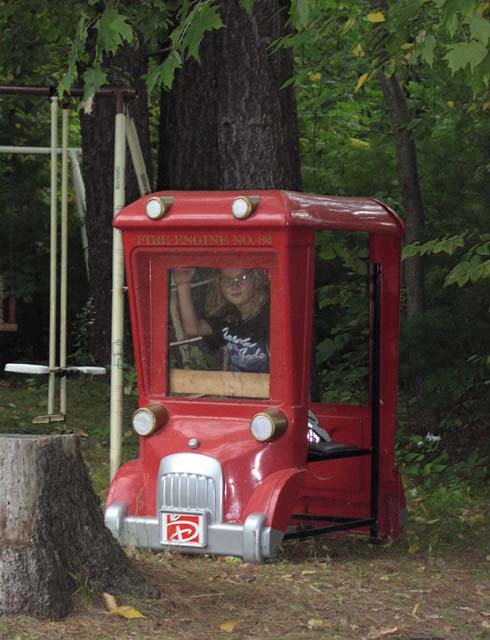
(247, 341)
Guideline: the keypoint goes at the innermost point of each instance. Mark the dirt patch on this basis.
(336, 588)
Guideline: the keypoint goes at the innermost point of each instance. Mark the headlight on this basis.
(268, 425)
(149, 419)
(157, 207)
(243, 206)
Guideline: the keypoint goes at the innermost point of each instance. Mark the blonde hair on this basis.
(215, 301)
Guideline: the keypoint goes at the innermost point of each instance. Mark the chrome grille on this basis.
(189, 491)
(191, 481)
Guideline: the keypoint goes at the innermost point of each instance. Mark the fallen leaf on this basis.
(109, 601)
(485, 614)
(381, 633)
(314, 623)
(124, 611)
(308, 572)
(485, 624)
(229, 625)
(414, 610)
(315, 588)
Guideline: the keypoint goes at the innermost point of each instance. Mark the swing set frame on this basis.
(125, 133)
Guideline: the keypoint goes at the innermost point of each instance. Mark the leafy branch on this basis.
(474, 266)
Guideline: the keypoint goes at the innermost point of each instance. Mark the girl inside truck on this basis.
(236, 315)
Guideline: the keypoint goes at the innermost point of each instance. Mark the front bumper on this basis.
(252, 541)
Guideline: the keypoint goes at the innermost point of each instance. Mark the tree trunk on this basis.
(398, 111)
(227, 124)
(410, 187)
(52, 532)
(97, 129)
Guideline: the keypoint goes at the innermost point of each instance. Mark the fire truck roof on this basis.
(270, 209)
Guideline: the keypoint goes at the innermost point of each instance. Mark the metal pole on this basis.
(75, 92)
(53, 256)
(375, 396)
(137, 156)
(81, 205)
(35, 150)
(64, 255)
(117, 347)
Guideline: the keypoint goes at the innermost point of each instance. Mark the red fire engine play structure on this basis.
(226, 464)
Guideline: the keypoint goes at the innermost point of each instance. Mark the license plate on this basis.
(183, 528)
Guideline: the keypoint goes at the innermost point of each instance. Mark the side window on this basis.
(340, 364)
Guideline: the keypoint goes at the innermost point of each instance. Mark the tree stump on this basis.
(52, 534)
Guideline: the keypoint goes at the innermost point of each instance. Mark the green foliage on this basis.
(442, 245)
(348, 149)
(474, 266)
(130, 380)
(194, 20)
(180, 25)
(427, 463)
(300, 13)
(422, 458)
(76, 53)
(248, 5)
(342, 323)
(82, 328)
(113, 31)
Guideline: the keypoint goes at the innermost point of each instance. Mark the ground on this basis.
(433, 584)
(336, 588)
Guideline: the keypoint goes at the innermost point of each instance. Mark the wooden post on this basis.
(52, 532)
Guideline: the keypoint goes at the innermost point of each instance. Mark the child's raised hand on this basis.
(184, 275)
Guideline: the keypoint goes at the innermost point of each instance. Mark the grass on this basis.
(22, 399)
(432, 584)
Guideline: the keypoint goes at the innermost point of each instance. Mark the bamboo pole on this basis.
(64, 255)
(53, 248)
(117, 345)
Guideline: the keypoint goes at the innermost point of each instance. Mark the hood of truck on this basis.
(244, 461)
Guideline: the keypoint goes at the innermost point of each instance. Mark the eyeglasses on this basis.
(241, 279)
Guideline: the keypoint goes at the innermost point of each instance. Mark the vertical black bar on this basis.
(375, 383)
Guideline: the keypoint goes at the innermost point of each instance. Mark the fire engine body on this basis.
(203, 481)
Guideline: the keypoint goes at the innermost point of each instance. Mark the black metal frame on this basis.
(340, 523)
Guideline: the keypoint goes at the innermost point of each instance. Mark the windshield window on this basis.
(219, 331)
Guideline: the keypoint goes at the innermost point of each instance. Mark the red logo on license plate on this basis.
(183, 528)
